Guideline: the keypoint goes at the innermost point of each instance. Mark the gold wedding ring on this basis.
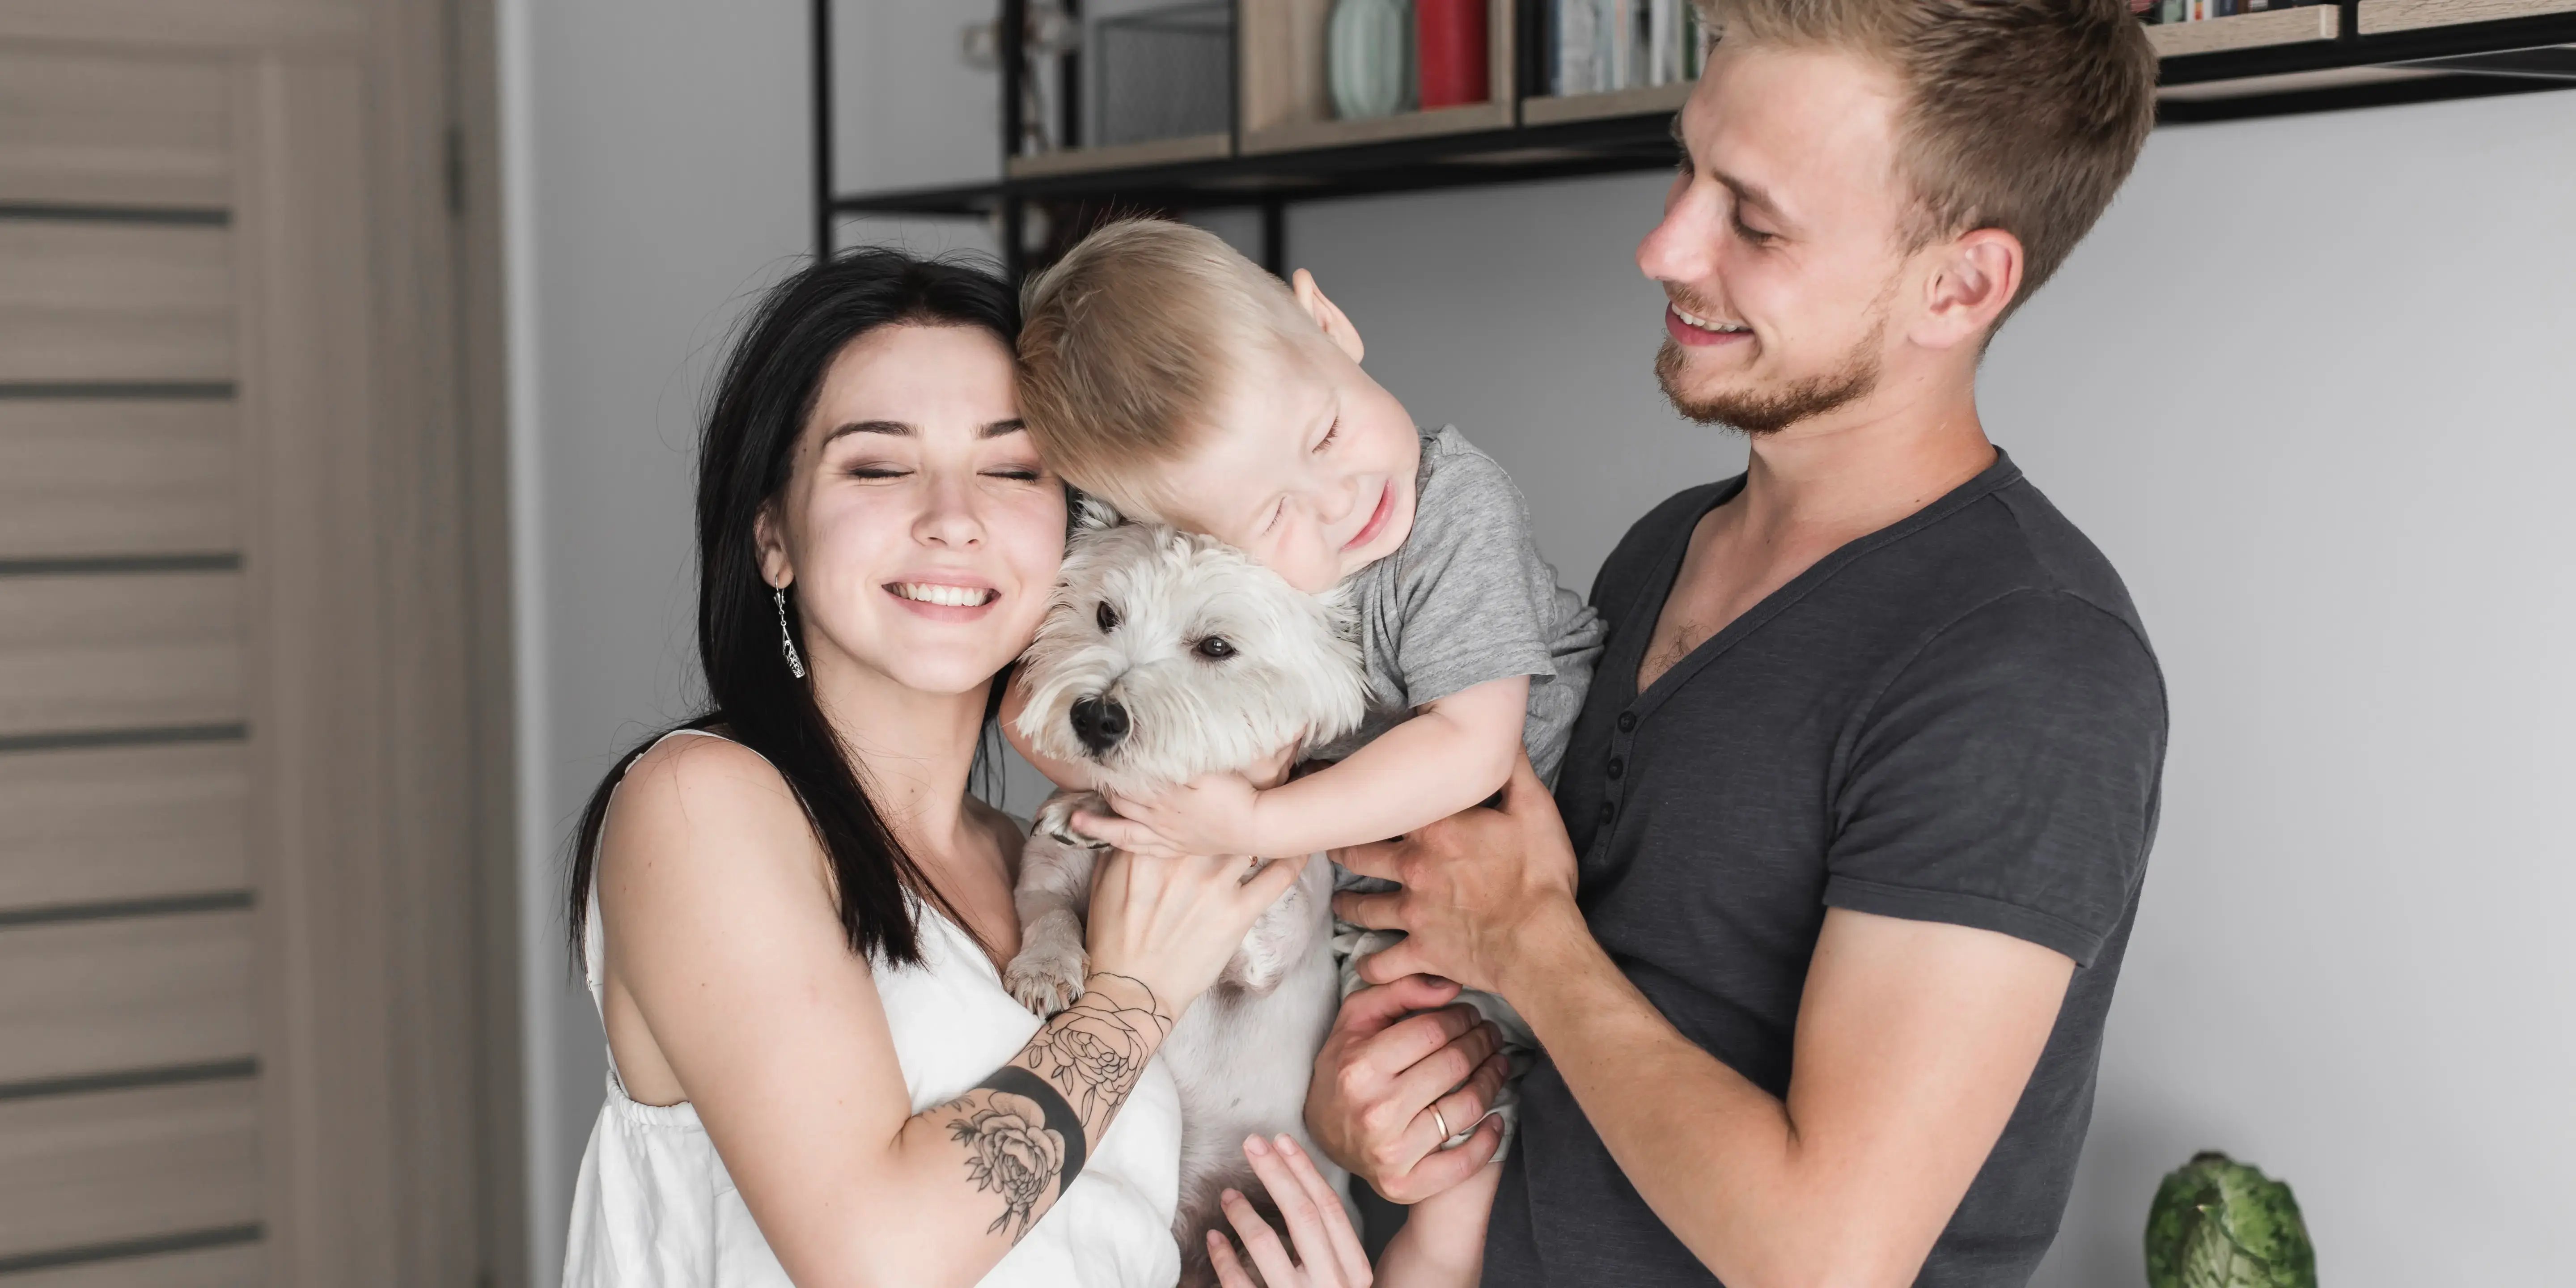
(1444, 1123)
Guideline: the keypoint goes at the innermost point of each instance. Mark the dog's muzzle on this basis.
(1100, 723)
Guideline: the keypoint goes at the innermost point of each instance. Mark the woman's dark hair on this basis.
(768, 391)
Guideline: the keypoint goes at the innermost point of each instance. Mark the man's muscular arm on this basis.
(1914, 1042)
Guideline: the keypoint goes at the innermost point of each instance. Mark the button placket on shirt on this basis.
(1615, 771)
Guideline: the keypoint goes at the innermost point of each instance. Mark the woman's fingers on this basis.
(1297, 1207)
(1260, 1242)
(1229, 1268)
(1345, 1241)
(1272, 881)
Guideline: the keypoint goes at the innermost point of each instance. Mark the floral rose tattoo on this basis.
(1011, 1152)
(1096, 1049)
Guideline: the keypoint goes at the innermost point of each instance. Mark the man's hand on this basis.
(1391, 1061)
(1480, 888)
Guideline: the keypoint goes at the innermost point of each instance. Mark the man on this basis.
(1854, 821)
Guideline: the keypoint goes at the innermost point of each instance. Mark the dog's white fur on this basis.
(1243, 1054)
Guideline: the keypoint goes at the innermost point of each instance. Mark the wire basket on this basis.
(1163, 73)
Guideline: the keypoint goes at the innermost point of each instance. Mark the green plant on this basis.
(2218, 1223)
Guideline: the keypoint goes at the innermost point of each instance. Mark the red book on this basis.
(1449, 38)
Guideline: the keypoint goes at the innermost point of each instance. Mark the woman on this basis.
(791, 911)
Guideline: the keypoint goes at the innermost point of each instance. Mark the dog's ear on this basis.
(1091, 514)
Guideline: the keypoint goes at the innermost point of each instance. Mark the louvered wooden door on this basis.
(238, 1036)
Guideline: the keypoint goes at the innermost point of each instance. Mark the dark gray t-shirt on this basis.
(1465, 600)
(1955, 719)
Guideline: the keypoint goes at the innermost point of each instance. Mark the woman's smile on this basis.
(945, 599)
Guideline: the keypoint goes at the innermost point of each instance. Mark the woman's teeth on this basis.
(1705, 325)
(951, 596)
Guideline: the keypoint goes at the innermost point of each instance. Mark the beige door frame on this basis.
(376, 560)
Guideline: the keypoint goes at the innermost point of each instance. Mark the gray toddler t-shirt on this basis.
(1466, 599)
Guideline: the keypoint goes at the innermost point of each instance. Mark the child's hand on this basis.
(1210, 815)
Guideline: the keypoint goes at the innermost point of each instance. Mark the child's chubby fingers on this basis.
(1123, 833)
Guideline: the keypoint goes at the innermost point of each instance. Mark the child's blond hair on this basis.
(1127, 344)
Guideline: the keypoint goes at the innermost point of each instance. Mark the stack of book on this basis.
(1598, 46)
(2164, 11)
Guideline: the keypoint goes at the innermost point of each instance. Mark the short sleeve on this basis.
(2007, 777)
(1476, 601)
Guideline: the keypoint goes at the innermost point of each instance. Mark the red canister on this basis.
(1449, 38)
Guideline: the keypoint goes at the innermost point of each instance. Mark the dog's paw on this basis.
(1046, 980)
(1055, 818)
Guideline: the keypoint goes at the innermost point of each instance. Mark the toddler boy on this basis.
(1166, 374)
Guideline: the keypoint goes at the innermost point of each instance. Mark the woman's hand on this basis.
(1172, 923)
(1327, 1250)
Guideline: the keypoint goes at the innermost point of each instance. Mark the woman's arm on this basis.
(724, 937)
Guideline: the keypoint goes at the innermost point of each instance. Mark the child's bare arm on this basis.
(1442, 1243)
(1452, 754)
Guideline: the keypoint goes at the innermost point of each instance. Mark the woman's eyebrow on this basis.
(895, 428)
(1000, 427)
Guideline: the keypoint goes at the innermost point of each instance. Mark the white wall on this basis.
(2310, 386)
(658, 174)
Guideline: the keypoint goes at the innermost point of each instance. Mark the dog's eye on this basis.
(1215, 649)
(1107, 617)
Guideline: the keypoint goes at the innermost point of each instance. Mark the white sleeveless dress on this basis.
(654, 1207)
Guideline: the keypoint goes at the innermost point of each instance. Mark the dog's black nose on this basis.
(1099, 722)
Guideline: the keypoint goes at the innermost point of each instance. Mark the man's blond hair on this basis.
(1129, 342)
(2023, 115)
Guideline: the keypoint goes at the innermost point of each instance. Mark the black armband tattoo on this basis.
(1028, 1135)
(1099, 1048)
(1025, 1138)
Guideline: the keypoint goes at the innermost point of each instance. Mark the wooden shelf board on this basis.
(2381, 16)
(1302, 135)
(1654, 99)
(2288, 83)
(2246, 31)
(1189, 147)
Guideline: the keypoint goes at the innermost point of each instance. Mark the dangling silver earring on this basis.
(787, 642)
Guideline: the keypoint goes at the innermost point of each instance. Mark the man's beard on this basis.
(1756, 413)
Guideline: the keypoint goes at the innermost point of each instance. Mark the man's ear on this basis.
(774, 565)
(1972, 282)
(1328, 315)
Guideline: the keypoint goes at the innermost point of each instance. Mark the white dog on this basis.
(1165, 656)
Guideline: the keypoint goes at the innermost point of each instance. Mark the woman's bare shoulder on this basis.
(690, 797)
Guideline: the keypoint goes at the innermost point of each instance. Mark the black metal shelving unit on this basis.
(2499, 47)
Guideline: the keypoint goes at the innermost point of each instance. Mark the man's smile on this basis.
(1694, 330)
